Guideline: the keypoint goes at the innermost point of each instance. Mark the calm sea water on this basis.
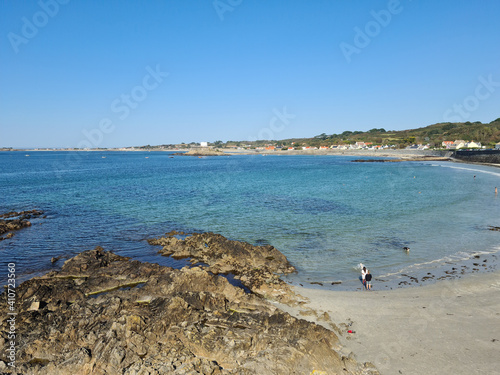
(325, 213)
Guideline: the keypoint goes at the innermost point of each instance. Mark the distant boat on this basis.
(147, 157)
(27, 155)
(104, 157)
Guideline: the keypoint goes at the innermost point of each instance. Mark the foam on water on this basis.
(475, 170)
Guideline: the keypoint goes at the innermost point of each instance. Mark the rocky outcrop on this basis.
(107, 314)
(13, 221)
(257, 267)
(204, 151)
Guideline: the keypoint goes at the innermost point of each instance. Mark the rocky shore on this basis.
(256, 267)
(203, 151)
(106, 314)
(13, 221)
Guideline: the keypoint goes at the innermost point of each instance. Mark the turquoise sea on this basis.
(325, 213)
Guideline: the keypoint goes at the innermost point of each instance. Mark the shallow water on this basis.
(325, 213)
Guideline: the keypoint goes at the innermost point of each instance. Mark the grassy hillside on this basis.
(487, 134)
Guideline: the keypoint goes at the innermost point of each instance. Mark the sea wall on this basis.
(479, 156)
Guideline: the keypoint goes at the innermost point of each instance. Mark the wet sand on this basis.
(450, 327)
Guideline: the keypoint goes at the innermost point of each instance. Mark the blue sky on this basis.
(123, 73)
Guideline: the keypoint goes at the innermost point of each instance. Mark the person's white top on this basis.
(363, 273)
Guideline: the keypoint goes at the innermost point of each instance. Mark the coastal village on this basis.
(445, 145)
(441, 136)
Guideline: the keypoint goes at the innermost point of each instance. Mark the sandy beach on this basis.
(386, 153)
(450, 327)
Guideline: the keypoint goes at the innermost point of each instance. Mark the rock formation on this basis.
(257, 267)
(203, 151)
(13, 221)
(106, 314)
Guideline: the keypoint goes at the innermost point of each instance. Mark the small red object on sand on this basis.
(350, 331)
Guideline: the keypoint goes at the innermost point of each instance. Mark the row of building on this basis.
(356, 146)
(450, 145)
(459, 143)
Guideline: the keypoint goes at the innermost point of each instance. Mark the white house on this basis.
(458, 144)
(204, 144)
(473, 144)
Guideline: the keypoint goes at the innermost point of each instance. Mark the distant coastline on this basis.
(231, 151)
(397, 154)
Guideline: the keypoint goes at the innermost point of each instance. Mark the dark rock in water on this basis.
(494, 228)
(22, 214)
(371, 160)
(55, 259)
(12, 221)
(202, 151)
(106, 314)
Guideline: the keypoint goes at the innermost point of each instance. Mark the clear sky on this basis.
(124, 73)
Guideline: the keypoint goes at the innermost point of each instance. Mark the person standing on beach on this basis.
(368, 278)
(363, 276)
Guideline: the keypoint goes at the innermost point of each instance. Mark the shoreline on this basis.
(347, 152)
(399, 155)
(449, 327)
(428, 274)
(116, 315)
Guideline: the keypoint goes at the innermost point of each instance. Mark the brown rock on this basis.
(12, 221)
(120, 316)
(257, 267)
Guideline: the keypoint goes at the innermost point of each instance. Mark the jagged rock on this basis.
(55, 259)
(107, 314)
(12, 221)
(204, 151)
(257, 267)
